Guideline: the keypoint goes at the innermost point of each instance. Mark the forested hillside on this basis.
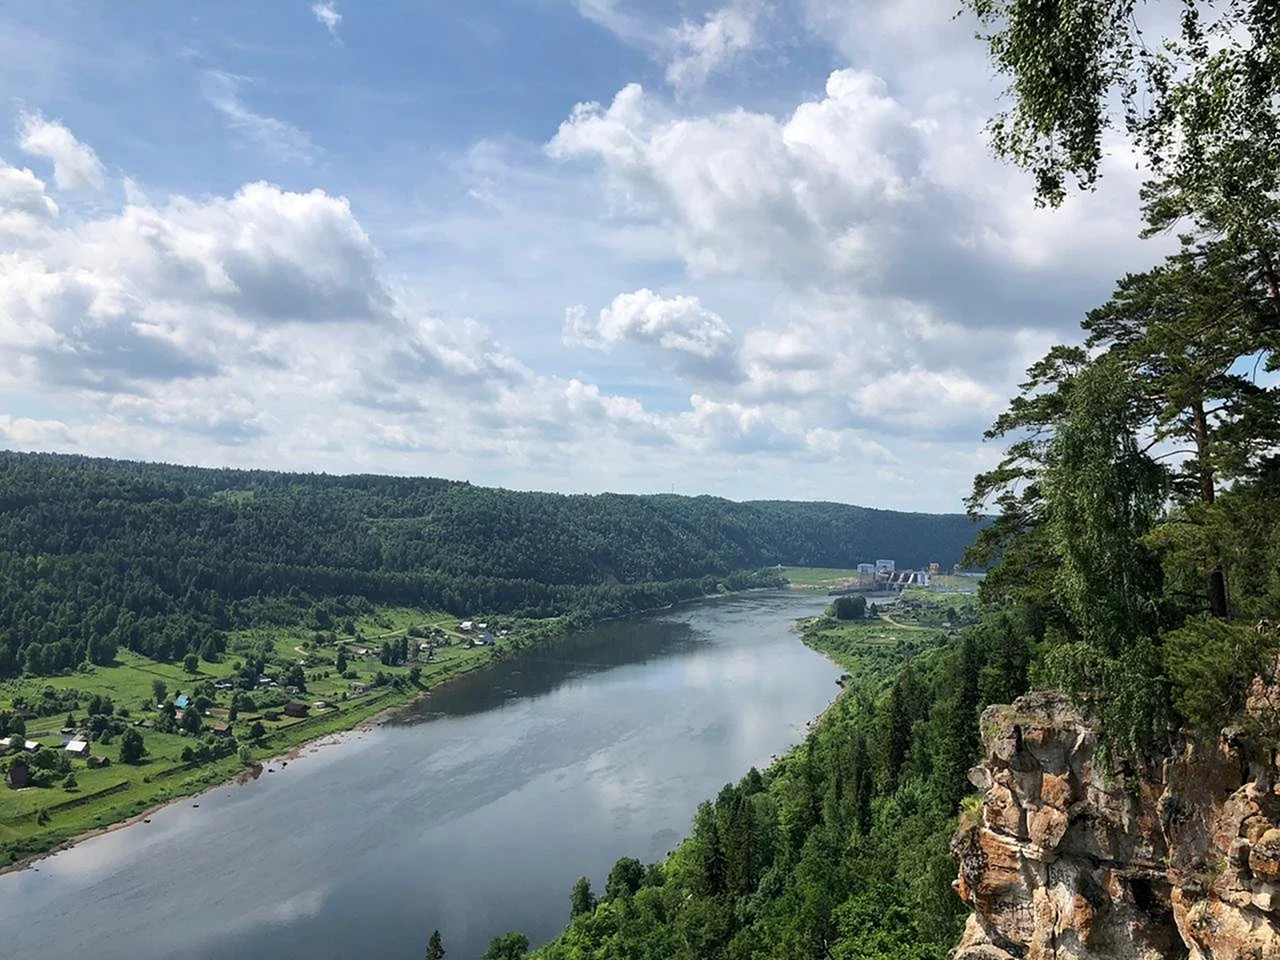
(839, 850)
(101, 554)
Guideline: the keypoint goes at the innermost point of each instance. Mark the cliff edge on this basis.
(1065, 859)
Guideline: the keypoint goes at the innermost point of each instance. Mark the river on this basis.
(474, 815)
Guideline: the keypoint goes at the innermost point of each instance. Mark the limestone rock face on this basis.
(1066, 859)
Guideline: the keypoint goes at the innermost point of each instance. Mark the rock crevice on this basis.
(1065, 859)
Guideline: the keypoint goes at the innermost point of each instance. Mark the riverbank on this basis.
(476, 815)
(839, 846)
(38, 821)
(237, 729)
(238, 776)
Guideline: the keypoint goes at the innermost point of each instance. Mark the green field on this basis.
(921, 618)
(817, 578)
(108, 795)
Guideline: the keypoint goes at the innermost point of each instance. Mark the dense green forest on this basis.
(101, 554)
(1136, 553)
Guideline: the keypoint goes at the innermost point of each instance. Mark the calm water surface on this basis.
(474, 816)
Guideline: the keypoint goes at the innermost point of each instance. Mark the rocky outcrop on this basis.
(1064, 858)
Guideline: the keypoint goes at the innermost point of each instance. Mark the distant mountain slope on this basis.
(94, 549)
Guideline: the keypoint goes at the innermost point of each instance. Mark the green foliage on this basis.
(1200, 103)
(509, 946)
(435, 947)
(1103, 495)
(132, 749)
(1212, 664)
(624, 879)
(581, 900)
(850, 607)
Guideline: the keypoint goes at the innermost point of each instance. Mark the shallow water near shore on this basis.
(472, 813)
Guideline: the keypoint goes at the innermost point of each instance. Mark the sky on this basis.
(752, 249)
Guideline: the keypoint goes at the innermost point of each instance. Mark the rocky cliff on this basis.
(1066, 859)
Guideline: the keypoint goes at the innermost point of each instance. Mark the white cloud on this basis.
(327, 16)
(925, 402)
(700, 49)
(166, 292)
(25, 208)
(746, 190)
(75, 166)
(26, 433)
(687, 337)
(279, 139)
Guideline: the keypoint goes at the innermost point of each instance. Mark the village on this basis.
(102, 743)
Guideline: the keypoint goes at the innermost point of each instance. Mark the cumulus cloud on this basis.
(852, 190)
(75, 166)
(700, 49)
(687, 337)
(173, 291)
(746, 190)
(25, 208)
(279, 139)
(327, 16)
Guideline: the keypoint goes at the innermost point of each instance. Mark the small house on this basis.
(19, 776)
(466, 626)
(31, 746)
(294, 709)
(361, 687)
(6, 743)
(181, 701)
(222, 729)
(321, 705)
(272, 715)
(77, 748)
(96, 762)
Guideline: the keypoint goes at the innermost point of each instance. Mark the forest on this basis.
(99, 555)
(1134, 561)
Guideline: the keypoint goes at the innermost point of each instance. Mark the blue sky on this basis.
(743, 248)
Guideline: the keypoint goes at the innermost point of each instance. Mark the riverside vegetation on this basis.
(175, 617)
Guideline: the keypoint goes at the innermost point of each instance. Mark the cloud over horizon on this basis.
(748, 251)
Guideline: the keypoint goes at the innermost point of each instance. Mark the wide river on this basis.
(475, 815)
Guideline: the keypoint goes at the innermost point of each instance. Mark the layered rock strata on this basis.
(1067, 859)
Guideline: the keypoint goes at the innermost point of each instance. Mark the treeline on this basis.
(97, 555)
(840, 850)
